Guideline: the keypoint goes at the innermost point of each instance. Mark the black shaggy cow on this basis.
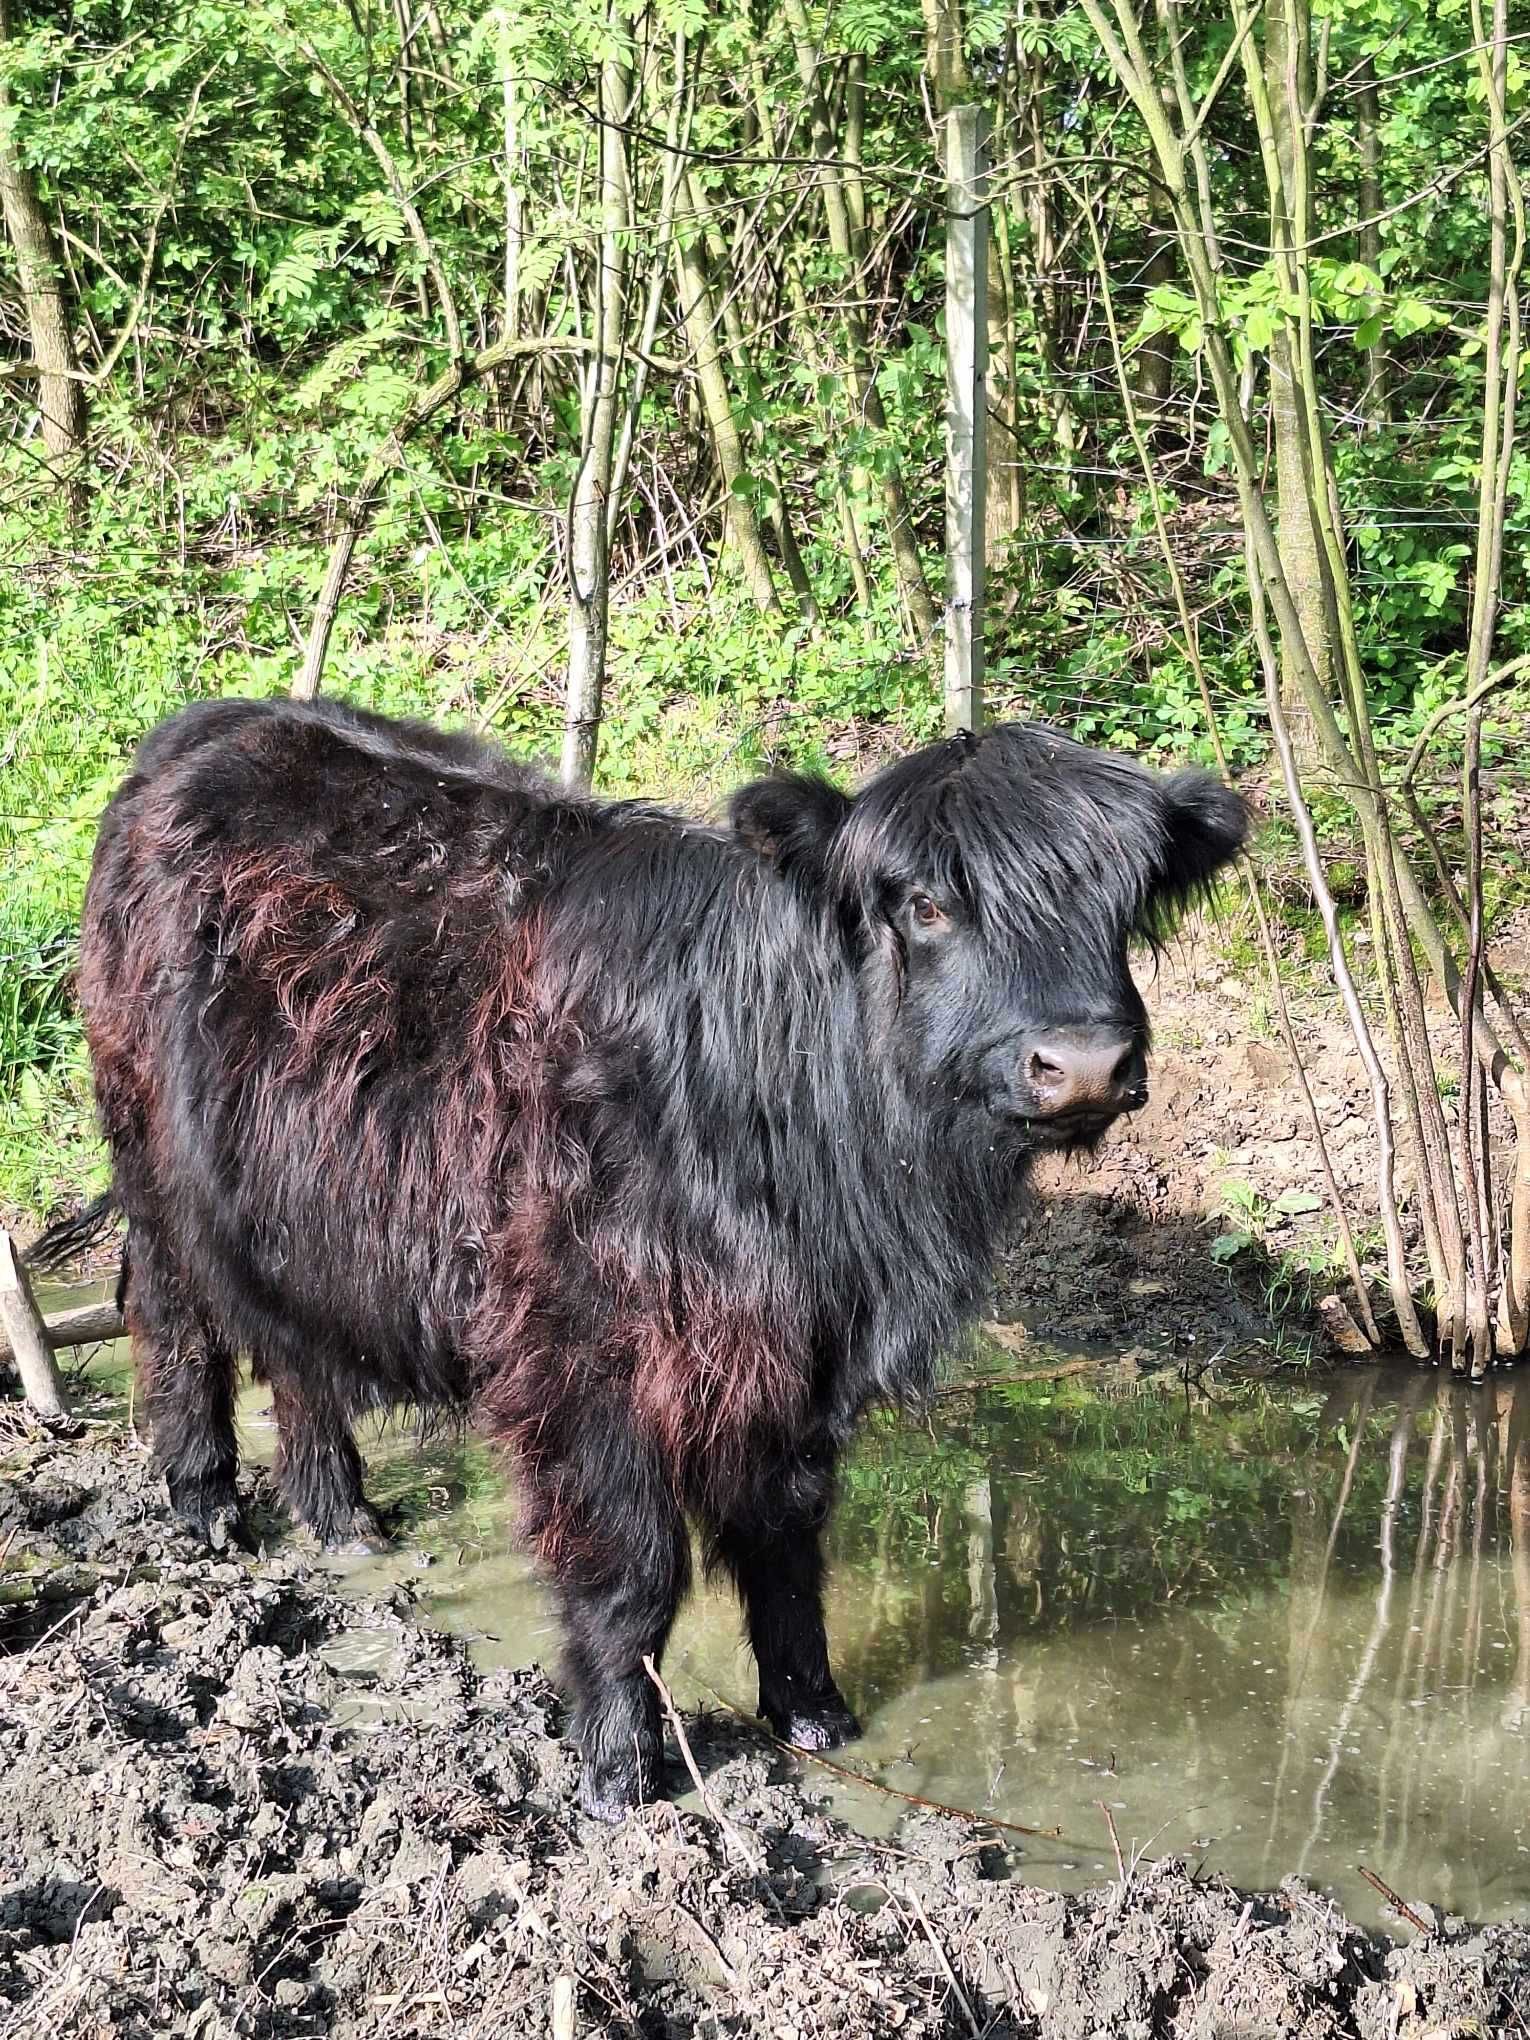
(661, 1149)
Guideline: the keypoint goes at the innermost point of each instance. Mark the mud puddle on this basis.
(1267, 1628)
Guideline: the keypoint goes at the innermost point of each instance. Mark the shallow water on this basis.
(1270, 1627)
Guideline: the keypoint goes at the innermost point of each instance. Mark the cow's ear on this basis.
(790, 820)
(1207, 823)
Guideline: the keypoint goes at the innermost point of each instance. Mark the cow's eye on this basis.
(925, 911)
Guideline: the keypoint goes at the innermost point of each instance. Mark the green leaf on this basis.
(1294, 1201)
(1229, 1244)
(1412, 315)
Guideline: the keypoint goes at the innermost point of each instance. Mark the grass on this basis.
(48, 1146)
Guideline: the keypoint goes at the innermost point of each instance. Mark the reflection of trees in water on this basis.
(1033, 1513)
(1386, 1528)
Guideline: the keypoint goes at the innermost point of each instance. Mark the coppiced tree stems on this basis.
(1377, 399)
(702, 321)
(913, 586)
(589, 574)
(45, 298)
(1190, 645)
(1454, 1196)
(437, 397)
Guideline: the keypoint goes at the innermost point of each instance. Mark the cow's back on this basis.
(307, 967)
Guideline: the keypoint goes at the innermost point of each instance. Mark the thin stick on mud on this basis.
(14, 1666)
(563, 2008)
(1115, 1843)
(1013, 1827)
(1398, 1905)
(728, 1829)
(944, 1960)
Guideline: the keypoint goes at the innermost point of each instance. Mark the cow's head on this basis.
(990, 888)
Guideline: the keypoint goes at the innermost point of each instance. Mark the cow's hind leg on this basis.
(607, 1523)
(772, 1544)
(185, 1369)
(318, 1468)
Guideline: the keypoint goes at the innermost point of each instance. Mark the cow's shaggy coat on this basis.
(660, 1149)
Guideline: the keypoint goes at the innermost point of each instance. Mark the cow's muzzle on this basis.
(1075, 1080)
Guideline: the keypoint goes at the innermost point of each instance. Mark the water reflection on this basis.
(1278, 1632)
(1271, 1628)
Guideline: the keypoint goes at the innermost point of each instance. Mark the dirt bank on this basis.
(237, 1803)
(1202, 1223)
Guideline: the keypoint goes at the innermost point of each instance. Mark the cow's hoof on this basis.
(218, 1524)
(820, 1727)
(609, 1799)
(361, 1536)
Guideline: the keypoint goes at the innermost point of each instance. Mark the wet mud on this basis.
(237, 1802)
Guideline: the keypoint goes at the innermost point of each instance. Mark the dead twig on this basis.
(1012, 1827)
(728, 1829)
(563, 2008)
(1115, 1843)
(943, 1959)
(709, 1942)
(1398, 1905)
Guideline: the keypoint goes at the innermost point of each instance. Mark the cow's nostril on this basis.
(1085, 1071)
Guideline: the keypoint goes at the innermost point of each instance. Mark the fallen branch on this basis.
(1056, 1370)
(1398, 1905)
(943, 1959)
(88, 1325)
(1012, 1827)
(41, 1382)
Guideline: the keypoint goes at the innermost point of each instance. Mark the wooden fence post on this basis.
(41, 1383)
(966, 143)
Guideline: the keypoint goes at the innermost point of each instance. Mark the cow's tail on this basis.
(71, 1237)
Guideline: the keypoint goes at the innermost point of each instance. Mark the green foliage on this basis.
(254, 298)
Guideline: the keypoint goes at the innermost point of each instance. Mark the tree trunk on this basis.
(966, 156)
(44, 295)
(777, 512)
(1035, 257)
(945, 63)
(950, 80)
(589, 578)
(699, 314)
(1300, 539)
(1377, 402)
(900, 529)
(27, 1337)
(1155, 358)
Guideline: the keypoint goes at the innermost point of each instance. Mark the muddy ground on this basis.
(235, 1803)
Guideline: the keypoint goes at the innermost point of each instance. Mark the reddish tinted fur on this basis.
(660, 1150)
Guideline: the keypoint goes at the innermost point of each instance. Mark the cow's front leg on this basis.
(774, 1550)
(614, 1538)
